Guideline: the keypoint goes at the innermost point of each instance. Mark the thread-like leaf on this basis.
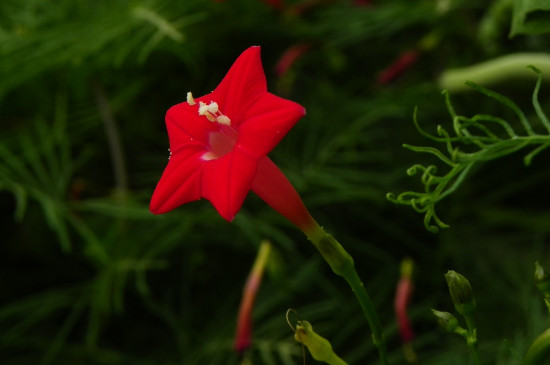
(488, 145)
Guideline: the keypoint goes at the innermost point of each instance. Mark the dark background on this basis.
(89, 276)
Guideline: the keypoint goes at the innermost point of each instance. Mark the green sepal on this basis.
(446, 321)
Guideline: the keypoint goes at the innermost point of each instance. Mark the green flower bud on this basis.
(319, 347)
(542, 280)
(461, 293)
(446, 320)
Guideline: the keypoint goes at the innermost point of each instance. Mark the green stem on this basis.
(114, 140)
(471, 339)
(492, 71)
(342, 264)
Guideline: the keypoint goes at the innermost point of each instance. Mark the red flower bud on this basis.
(403, 295)
(243, 336)
(403, 62)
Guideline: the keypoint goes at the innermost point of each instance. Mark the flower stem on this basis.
(492, 71)
(342, 264)
(273, 187)
(471, 338)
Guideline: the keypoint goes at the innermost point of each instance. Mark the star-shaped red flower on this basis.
(219, 142)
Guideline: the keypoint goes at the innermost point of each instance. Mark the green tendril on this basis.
(505, 101)
(535, 99)
(487, 138)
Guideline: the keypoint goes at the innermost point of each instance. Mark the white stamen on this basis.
(190, 99)
(213, 107)
(212, 113)
(223, 119)
(203, 108)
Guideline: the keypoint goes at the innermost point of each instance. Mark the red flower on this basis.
(219, 143)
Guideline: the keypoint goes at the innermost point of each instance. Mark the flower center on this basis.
(222, 141)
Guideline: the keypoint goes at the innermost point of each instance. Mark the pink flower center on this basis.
(220, 142)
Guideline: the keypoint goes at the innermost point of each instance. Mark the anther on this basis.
(223, 119)
(212, 113)
(204, 110)
(190, 99)
(213, 107)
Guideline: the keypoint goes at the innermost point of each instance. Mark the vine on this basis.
(491, 137)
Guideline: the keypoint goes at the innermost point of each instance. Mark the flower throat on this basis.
(222, 141)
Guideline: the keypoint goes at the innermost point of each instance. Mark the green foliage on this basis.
(40, 166)
(68, 33)
(488, 137)
(90, 276)
(530, 17)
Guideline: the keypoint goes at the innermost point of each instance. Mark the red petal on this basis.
(227, 180)
(180, 181)
(266, 123)
(274, 188)
(242, 85)
(185, 125)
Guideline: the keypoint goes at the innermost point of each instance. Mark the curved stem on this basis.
(539, 350)
(342, 264)
(113, 138)
(492, 71)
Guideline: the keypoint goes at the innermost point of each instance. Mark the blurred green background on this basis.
(89, 276)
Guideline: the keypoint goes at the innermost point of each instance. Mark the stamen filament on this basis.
(212, 113)
(190, 99)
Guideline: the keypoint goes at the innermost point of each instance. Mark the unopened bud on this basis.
(542, 280)
(461, 293)
(243, 335)
(446, 320)
(318, 346)
(403, 295)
